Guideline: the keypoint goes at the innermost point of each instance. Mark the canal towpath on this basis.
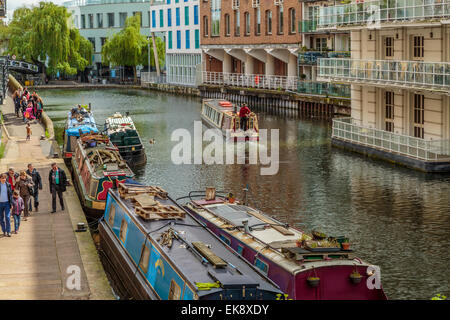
(47, 259)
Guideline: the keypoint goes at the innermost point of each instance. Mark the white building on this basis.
(400, 75)
(99, 19)
(179, 21)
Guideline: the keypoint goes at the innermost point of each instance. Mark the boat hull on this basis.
(233, 138)
(334, 284)
(134, 158)
(124, 272)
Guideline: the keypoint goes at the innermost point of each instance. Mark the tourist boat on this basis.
(77, 124)
(123, 134)
(158, 251)
(94, 166)
(224, 116)
(304, 268)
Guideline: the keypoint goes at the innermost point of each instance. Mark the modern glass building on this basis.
(99, 19)
(179, 21)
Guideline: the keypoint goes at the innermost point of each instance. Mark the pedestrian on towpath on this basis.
(37, 181)
(12, 177)
(17, 209)
(28, 131)
(5, 205)
(25, 188)
(58, 182)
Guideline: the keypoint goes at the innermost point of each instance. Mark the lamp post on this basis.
(148, 39)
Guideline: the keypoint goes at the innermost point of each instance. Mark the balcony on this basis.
(373, 12)
(311, 57)
(324, 89)
(406, 74)
(346, 129)
(306, 26)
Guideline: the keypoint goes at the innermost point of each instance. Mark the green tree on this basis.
(160, 48)
(128, 47)
(42, 34)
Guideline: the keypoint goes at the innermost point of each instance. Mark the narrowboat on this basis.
(124, 135)
(305, 267)
(224, 115)
(158, 251)
(95, 164)
(79, 121)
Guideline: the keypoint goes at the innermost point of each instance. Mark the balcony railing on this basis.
(307, 26)
(311, 57)
(371, 12)
(324, 89)
(250, 80)
(426, 150)
(430, 75)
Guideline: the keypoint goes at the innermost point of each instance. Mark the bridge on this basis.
(6, 65)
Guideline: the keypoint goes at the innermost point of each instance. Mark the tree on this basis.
(160, 49)
(42, 34)
(128, 47)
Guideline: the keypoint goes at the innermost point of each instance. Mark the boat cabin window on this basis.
(225, 239)
(93, 188)
(123, 230)
(145, 255)
(112, 215)
(175, 291)
(261, 265)
(240, 250)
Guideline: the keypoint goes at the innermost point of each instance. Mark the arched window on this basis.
(247, 23)
(292, 27)
(237, 23)
(268, 22)
(280, 17)
(205, 26)
(227, 24)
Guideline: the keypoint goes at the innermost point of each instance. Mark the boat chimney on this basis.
(245, 224)
(89, 107)
(245, 195)
(210, 194)
(114, 181)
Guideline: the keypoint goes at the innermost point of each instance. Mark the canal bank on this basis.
(47, 259)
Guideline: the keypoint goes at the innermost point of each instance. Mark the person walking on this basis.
(12, 177)
(25, 188)
(37, 181)
(17, 209)
(5, 205)
(58, 181)
(28, 131)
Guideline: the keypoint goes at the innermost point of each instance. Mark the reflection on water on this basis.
(396, 218)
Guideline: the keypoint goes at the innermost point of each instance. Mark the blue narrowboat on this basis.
(161, 252)
(79, 121)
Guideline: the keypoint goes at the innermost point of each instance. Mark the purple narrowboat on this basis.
(300, 264)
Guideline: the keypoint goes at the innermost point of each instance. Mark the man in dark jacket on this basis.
(58, 181)
(37, 181)
(5, 205)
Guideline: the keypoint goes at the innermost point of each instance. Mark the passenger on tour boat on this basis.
(243, 114)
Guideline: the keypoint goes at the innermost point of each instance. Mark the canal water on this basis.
(396, 218)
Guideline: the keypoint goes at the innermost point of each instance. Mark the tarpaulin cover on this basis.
(84, 129)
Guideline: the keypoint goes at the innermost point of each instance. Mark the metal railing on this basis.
(168, 78)
(324, 89)
(433, 75)
(152, 77)
(19, 65)
(382, 11)
(311, 57)
(307, 26)
(80, 3)
(250, 80)
(427, 150)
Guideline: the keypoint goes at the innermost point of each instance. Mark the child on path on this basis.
(28, 131)
(17, 209)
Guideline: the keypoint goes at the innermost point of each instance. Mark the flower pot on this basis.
(345, 246)
(355, 278)
(313, 282)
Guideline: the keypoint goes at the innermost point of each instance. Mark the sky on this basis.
(11, 5)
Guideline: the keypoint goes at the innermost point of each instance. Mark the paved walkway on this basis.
(47, 257)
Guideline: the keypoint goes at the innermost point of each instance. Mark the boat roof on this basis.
(117, 121)
(215, 103)
(237, 272)
(73, 125)
(267, 235)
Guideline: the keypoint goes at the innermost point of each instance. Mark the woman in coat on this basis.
(24, 185)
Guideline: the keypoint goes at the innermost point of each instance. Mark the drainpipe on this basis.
(155, 52)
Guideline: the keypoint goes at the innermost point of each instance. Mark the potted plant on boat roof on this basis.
(317, 235)
(345, 245)
(355, 276)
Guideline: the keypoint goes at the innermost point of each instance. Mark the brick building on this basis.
(259, 37)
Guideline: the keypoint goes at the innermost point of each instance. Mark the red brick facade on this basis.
(288, 34)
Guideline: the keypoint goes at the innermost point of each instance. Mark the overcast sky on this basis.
(11, 5)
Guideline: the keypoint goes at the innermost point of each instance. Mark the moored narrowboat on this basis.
(224, 115)
(79, 121)
(95, 164)
(159, 251)
(306, 267)
(124, 135)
